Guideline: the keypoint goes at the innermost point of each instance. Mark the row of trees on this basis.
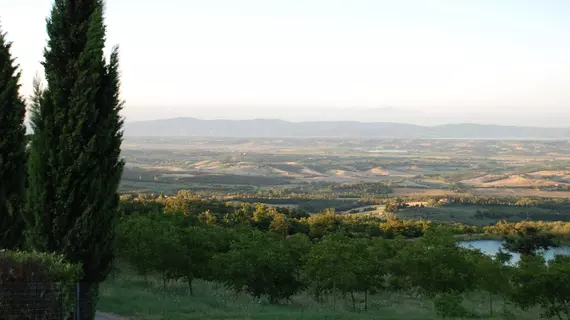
(288, 221)
(294, 220)
(277, 267)
(376, 192)
(316, 201)
(58, 191)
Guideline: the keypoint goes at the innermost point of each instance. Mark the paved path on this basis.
(106, 316)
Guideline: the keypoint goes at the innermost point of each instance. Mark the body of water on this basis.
(491, 247)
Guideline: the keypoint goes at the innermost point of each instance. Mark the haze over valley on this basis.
(192, 127)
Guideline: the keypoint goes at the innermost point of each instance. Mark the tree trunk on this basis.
(491, 304)
(189, 279)
(87, 295)
(558, 314)
(317, 295)
(555, 309)
(365, 300)
(334, 296)
(353, 302)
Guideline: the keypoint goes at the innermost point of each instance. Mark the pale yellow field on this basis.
(520, 192)
(207, 165)
(417, 191)
(379, 172)
(519, 181)
(479, 180)
(549, 173)
(312, 172)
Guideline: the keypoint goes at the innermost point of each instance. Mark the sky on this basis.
(417, 61)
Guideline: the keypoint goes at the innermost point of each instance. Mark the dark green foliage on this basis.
(437, 268)
(336, 252)
(448, 305)
(141, 206)
(340, 264)
(162, 244)
(503, 257)
(12, 150)
(434, 264)
(197, 246)
(493, 276)
(380, 255)
(137, 242)
(346, 264)
(528, 240)
(546, 285)
(74, 165)
(261, 264)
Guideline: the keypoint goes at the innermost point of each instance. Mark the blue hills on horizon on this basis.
(275, 128)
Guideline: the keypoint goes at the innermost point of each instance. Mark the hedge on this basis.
(36, 285)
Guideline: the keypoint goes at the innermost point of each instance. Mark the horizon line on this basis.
(346, 121)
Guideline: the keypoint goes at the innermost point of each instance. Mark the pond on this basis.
(491, 247)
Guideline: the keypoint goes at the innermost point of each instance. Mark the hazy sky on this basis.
(228, 58)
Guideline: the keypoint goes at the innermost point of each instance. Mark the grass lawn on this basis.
(131, 296)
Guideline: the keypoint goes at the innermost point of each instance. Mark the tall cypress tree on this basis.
(12, 150)
(75, 164)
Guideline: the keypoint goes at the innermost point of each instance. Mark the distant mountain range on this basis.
(268, 128)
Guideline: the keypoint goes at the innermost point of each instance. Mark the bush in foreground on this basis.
(36, 285)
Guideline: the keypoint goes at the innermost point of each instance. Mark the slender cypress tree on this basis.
(12, 150)
(75, 164)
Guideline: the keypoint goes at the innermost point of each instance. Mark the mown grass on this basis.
(132, 296)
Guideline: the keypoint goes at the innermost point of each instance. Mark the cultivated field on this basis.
(407, 167)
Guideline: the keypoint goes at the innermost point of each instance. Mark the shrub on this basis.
(448, 305)
(262, 264)
(36, 285)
